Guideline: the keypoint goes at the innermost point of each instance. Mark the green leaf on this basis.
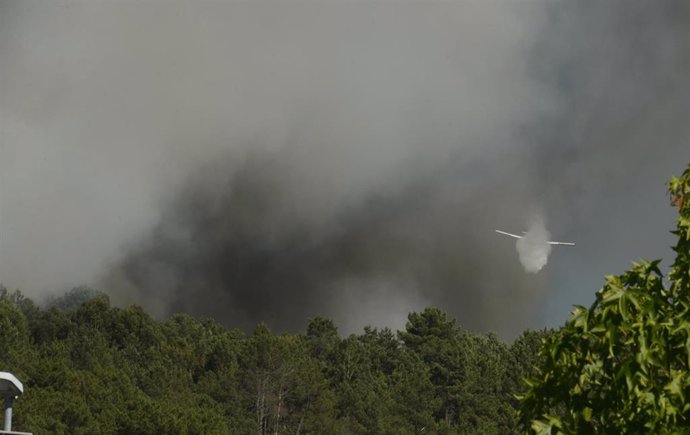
(541, 428)
(587, 413)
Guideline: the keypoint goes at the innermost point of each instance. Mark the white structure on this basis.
(549, 242)
(10, 389)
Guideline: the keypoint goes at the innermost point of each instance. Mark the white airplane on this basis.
(550, 243)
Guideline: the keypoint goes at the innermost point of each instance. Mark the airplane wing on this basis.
(561, 243)
(508, 234)
(550, 243)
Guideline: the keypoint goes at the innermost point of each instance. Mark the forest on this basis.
(621, 365)
(91, 368)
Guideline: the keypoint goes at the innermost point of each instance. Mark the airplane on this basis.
(550, 243)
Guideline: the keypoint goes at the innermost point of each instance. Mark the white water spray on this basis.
(533, 248)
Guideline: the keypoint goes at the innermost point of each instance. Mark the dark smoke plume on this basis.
(234, 249)
(273, 161)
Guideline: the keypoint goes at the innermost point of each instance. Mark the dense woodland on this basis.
(91, 368)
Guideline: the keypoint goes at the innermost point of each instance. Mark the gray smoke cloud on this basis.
(533, 248)
(273, 161)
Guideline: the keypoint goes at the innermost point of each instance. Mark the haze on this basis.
(274, 161)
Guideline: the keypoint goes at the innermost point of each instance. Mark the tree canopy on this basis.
(91, 368)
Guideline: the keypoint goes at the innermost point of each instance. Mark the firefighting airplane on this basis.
(550, 243)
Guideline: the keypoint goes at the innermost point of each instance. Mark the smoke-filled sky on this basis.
(275, 161)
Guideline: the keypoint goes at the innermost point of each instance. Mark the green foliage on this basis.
(90, 368)
(470, 375)
(622, 365)
(75, 297)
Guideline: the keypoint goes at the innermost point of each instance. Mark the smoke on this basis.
(533, 248)
(274, 161)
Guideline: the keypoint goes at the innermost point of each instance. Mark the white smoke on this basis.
(533, 248)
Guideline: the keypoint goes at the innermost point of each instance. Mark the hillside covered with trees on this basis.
(91, 368)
